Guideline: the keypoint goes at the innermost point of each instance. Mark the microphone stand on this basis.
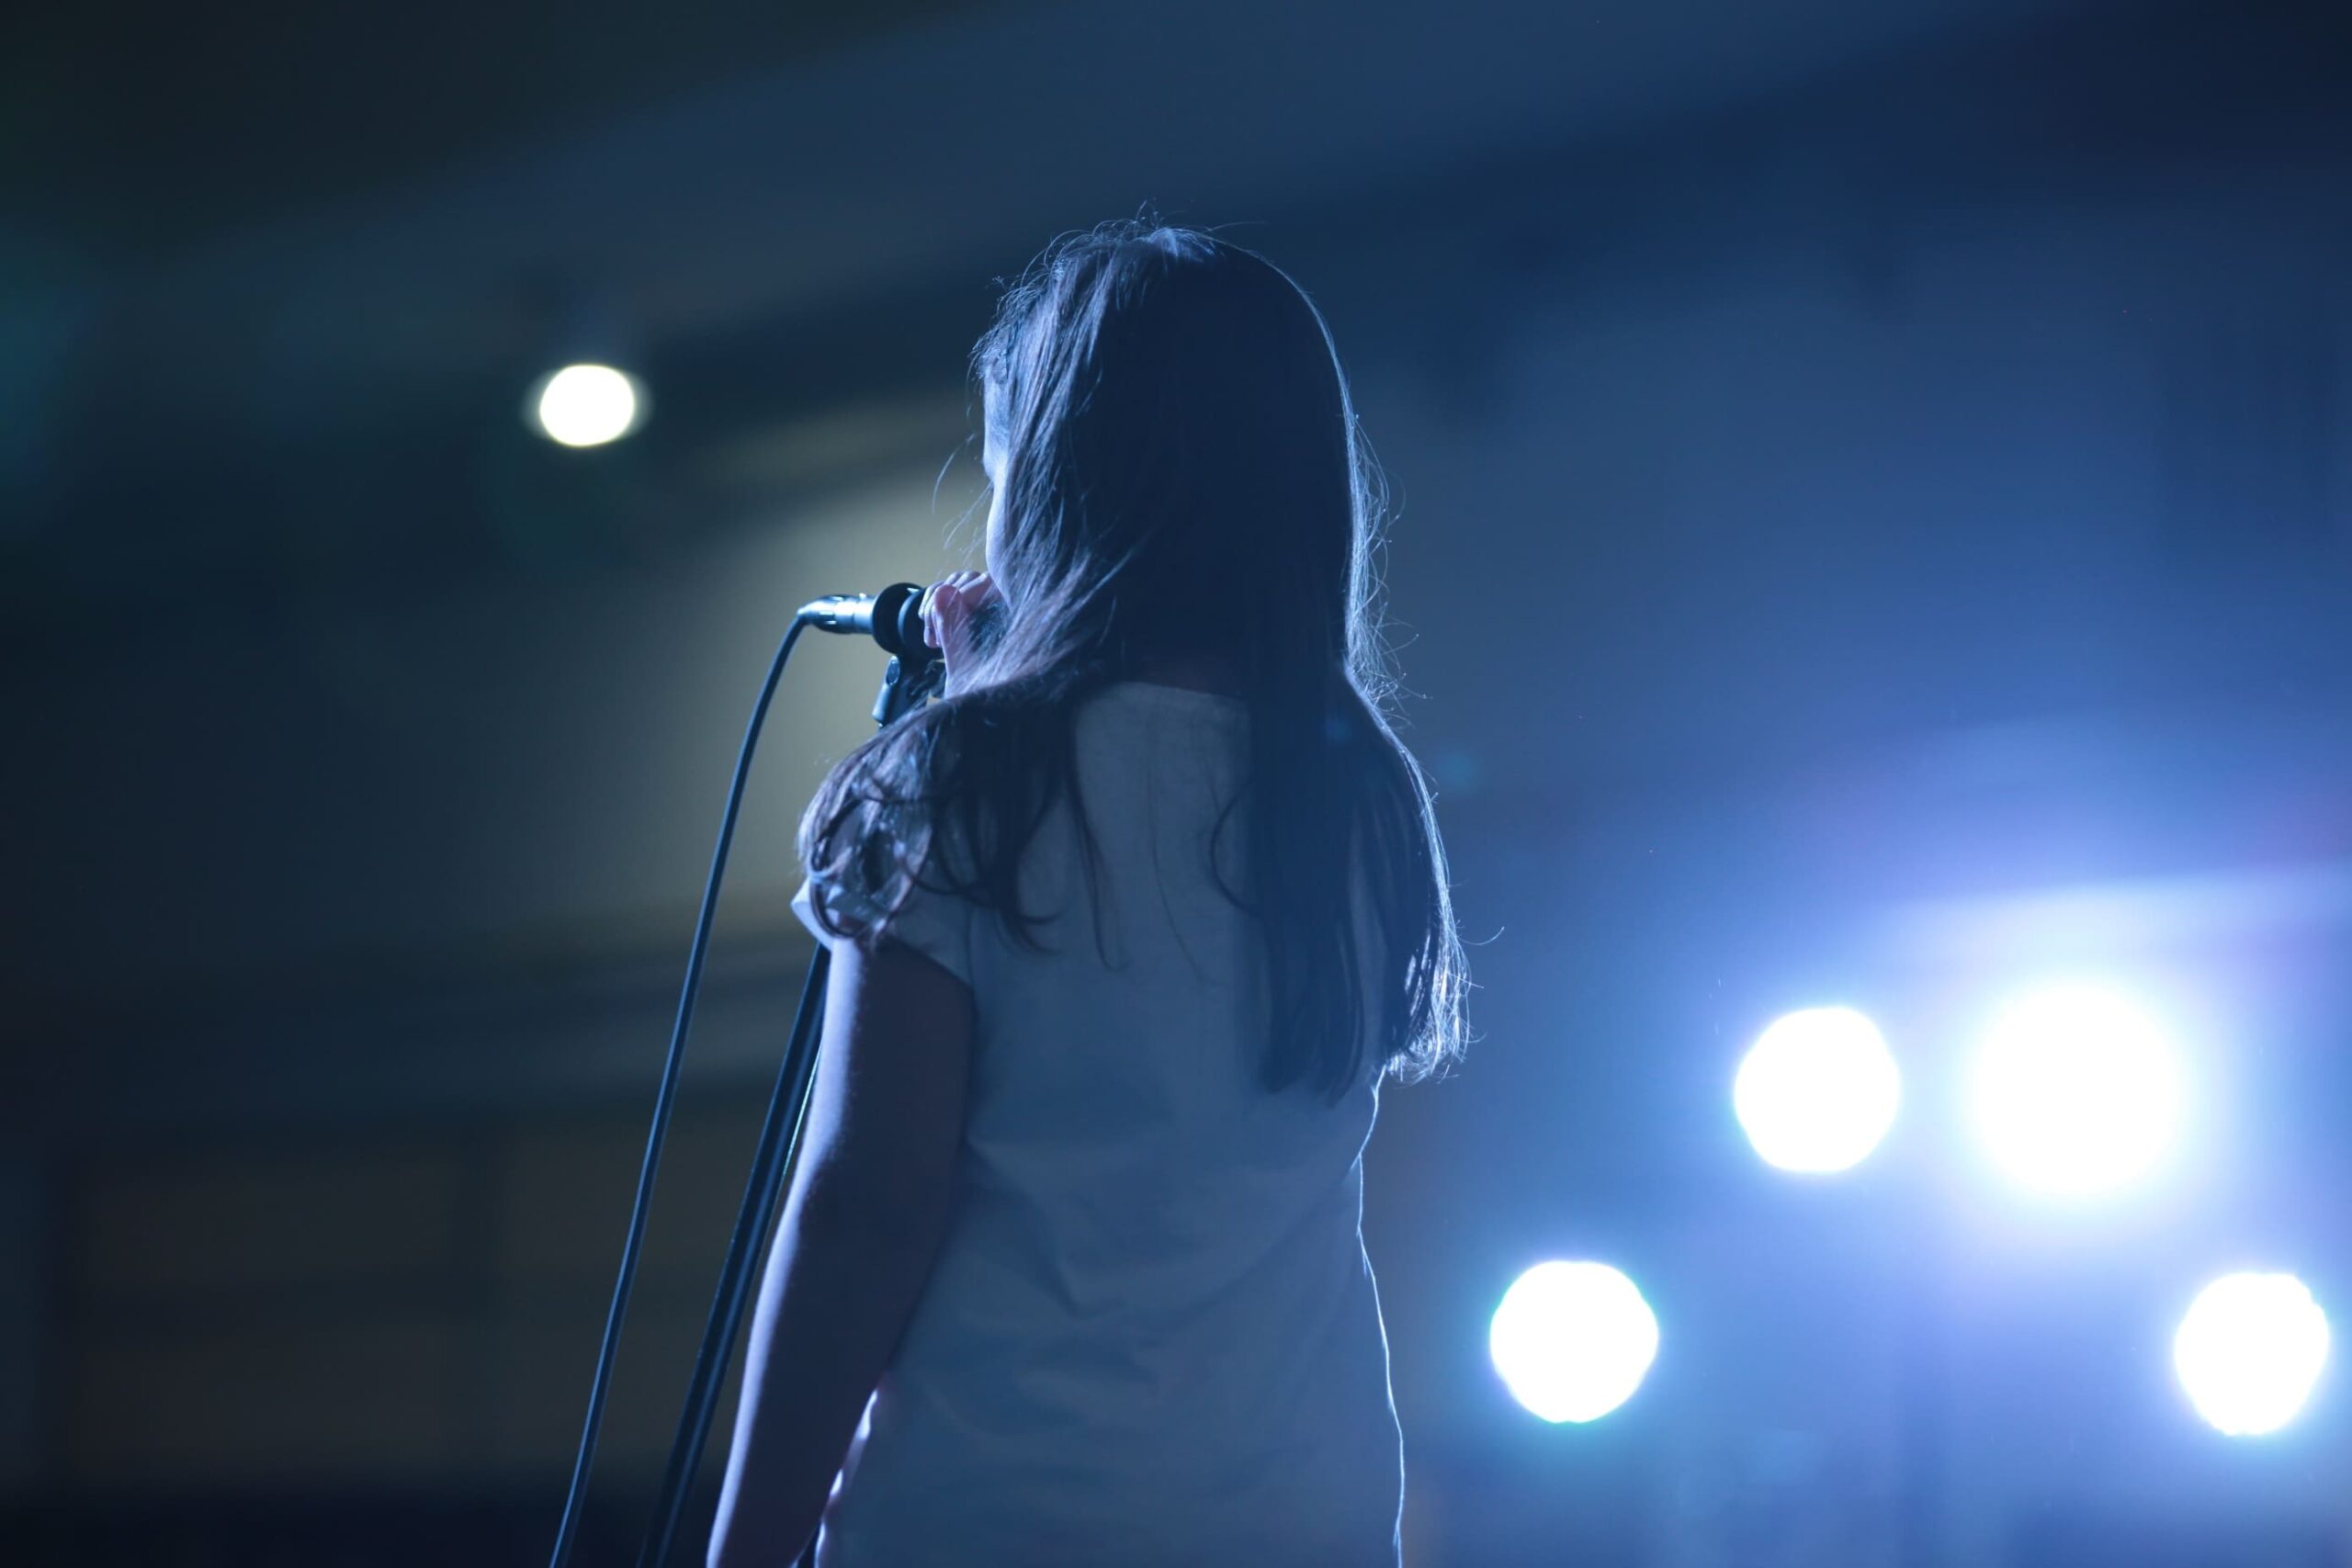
(904, 689)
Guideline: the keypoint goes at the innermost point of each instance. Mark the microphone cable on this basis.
(894, 620)
(608, 1352)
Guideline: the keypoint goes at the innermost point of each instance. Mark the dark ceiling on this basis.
(132, 129)
(269, 291)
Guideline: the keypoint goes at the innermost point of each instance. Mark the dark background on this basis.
(1874, 496)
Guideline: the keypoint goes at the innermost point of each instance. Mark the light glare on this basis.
(2249, 1350)
(587, 405)
(2077, 1090)
(1572, 1341)
(1818, 1090)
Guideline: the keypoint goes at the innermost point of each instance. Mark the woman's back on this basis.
(1151, 1335)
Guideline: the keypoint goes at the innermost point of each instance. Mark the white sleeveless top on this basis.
(1151, 1336)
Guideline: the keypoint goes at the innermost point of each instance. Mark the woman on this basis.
(1126, 930)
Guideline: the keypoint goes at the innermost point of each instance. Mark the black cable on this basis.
(671, 1067)
(780, 1137)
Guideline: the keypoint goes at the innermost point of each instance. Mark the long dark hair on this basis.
(1179, 476)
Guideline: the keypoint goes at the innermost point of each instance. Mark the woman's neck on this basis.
(1192, 672)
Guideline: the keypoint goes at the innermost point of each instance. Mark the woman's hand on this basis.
(949, 608)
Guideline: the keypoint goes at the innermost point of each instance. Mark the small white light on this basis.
(587, 405)
(2249, 1350)
(2077, 1090)
(1572, 1341)
(1818, 1090)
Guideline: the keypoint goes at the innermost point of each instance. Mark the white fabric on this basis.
(1152, 1335)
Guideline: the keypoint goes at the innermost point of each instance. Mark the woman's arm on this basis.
(869, 1203)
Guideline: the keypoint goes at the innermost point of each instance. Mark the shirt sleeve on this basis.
(937, 925)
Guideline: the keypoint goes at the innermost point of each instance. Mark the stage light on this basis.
(1572, 1341)
(2077, 1090)
(2248, 1352)
(587, 405)
(1818, 1090)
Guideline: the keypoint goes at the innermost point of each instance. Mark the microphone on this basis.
(893, 618)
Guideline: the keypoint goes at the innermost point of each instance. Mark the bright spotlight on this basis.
(2248, 1352)
(2077, 1090)
(1573, 1340)
(587, 405)
(1818, 1090)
